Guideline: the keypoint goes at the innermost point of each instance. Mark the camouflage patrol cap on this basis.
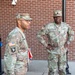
(57, 13)
(24, 16)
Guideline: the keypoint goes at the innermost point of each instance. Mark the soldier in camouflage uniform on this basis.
(16, 51)
(59, 35)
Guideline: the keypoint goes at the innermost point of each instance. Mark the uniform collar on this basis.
(20, 31)
(58, 25)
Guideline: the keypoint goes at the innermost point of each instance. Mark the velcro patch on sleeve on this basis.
(13, 49)
(11, 43)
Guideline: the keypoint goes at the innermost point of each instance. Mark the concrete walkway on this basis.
(39, 67)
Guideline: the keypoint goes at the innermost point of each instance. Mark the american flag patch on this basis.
(11, 43)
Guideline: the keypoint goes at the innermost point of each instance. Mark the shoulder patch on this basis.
(13, 49)
(11, 44)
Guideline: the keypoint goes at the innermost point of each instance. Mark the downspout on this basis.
(63, 10)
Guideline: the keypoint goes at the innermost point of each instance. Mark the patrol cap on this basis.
(57, 13)
(24, 16)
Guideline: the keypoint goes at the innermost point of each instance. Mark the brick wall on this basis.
(41, 11)
(70, 19)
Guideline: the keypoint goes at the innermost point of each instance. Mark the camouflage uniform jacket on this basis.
(57, 34)
(16, 49)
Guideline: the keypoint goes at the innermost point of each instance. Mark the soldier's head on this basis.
(23, 21)
(57, 15)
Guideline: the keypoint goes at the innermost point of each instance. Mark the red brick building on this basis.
(42, 13)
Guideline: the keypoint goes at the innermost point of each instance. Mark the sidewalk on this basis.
(39, 67)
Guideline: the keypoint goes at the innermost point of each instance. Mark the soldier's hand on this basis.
(49, 47)
(55, 45)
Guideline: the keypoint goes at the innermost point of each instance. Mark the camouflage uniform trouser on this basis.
(20, 69)
(56, 63)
